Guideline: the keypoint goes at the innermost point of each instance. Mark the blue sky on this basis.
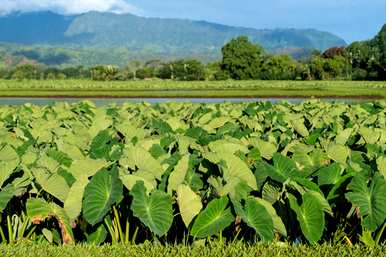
(350, 19)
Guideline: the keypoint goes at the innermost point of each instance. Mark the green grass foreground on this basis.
(159, 88)
(217, 249)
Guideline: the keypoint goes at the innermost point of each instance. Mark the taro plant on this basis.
(181, 172)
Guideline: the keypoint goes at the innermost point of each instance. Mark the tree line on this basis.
(241, 60)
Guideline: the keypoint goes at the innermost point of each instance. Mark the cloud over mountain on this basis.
(67, 6)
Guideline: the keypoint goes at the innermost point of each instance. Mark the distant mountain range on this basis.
(145, 38)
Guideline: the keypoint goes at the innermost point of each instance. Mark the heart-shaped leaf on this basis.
(215, 218)
(154, 210)
(104, 189)
(371, 200)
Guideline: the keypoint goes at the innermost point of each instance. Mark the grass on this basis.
(172, 89)
(215, 249)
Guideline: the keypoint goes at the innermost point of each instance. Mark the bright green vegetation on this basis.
(214, 249)
(181, 173)
(160, 88)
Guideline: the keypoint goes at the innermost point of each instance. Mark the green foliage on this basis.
(242, 59)
(213, 219)
(104, 189)
(104, 73)
(371, 200)
(154, 210)
(25, 71)
(144, 73)
(180, 172)
(280, 67)
(368, 57)
(184, 70)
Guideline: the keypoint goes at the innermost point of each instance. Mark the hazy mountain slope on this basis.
(147, 38)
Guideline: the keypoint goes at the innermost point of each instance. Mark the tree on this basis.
(26, 71)
(188, 70)
(145, 73)
(185, 70)
(334, 67)
(279, 67)
(134, 65)
(104, 72)
(333, 52)
(165, 71)
(242, 59)
(316, 67)
(380, 42)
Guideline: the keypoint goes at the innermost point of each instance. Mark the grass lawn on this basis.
(158, 88)
(217, 249)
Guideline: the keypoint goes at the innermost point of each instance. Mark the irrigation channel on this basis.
(109, 100)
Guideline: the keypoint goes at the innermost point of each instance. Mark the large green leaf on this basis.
(154, 210)
(277, 222)
(338, 153)
(135, 156)
(104, 189)
(130, 180)
(16, 188)
(343, 136)
(371, 200)
(86, 167)
(52, 183)
(227, 146)
(381, 163)
(236, 168)
(215, 218)
(329, 175)
(257, 217)
(177, 177)
(100, 122)
(298, 125)
(267, 149)
(73, 202)
(189, 203)
(310, 216)
(8, 162)
(39, 210)
(285, 166)
(370, 135)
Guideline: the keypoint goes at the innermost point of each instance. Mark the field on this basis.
(186, 174)
(158, 88)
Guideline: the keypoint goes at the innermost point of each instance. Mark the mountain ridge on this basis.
(159, 37)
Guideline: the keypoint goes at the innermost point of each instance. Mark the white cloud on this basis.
(67, 6)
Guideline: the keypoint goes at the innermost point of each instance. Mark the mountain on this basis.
(149, 37)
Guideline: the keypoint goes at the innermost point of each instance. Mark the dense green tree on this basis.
(104, 72)
(335, 67)
(184, 70)
(369, 57)
(26, 71)
(77, 72)
(188, 70)
(242, 59)
(125, 74)
(316, 67)
(145, 73)
(165, 71)
(279, 67)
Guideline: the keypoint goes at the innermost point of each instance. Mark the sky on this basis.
(350, 19)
